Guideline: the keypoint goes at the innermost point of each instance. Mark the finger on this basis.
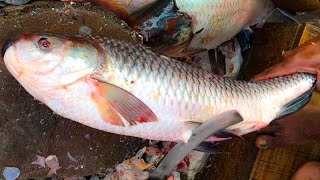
(281, 70)
(278, 70)
(269, 142)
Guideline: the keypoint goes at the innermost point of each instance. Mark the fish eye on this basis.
(44, 43)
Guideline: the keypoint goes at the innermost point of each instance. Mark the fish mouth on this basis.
(9, 58)
(6, 45)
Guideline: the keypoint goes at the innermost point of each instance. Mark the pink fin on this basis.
(129, 106)
(112, 100)
(107, 112)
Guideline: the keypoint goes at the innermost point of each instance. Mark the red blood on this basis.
(171, 177)
(143, 119)
(132, 82)
(171, 145)
(183, 165)
(233, 45)
(154, 151)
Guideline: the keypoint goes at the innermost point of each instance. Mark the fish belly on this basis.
(75, 103)
(215, 22)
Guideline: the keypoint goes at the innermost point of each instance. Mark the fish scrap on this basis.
(51, 161)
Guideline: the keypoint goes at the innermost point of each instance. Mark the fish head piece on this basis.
(32, 54)
(49, 61)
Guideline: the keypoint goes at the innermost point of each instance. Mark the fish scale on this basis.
(130, 90)
(217, 89)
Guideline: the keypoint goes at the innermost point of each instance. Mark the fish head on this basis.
(32, 54)
(49, 61)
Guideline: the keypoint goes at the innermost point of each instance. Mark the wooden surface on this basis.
(298, 5)
(281, 163)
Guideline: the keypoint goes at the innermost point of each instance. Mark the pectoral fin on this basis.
(120, 101)
(129, 106)
(107, 112)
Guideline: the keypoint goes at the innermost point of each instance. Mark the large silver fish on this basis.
(181, 28)
(127, 89)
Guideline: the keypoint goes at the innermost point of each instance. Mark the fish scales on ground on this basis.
(179, 28)
(128, 89)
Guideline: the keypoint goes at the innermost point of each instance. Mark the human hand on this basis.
(300, 128)
(305, 58)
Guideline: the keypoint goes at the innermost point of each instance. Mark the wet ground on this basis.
(27, 127)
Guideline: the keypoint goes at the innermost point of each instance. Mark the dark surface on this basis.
(268, 45)
(297, 5)
(234, 160)
(28, 128)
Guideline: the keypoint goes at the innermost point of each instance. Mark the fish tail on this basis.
(208, 147)
(296, 104)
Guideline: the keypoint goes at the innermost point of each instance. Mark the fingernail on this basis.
(262, 143)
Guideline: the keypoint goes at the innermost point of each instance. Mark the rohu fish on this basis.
(127, 89)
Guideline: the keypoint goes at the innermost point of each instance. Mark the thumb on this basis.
(268, 142)
(278, 70)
